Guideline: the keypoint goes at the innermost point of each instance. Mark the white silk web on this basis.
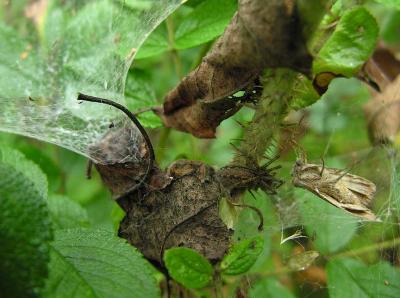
(66, 47)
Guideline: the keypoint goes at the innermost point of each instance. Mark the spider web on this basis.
(297, 220)
(57, 49)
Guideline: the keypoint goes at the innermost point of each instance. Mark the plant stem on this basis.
(162, 142)
(174, 52)
(377, 246)
(270, 111)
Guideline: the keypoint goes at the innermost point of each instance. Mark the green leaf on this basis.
(390, 3)
(304, 93)
(207, 21)
(332, 227)
(139, 95)
(31, 171)
(242, 256)
(43, 156)
(311, 12)
(88, 263)
(66, 214)
(395, 186)
(248, 222)
(188, 267)
(228, 213)
(351, 278)
(350, 45)
(18, 64)
(271, 288)
(390, 27)
(117, 214)
(25, 227)
(155, 44)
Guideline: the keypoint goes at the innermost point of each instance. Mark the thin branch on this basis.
(359, 251)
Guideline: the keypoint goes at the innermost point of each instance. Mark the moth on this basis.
(346, 191)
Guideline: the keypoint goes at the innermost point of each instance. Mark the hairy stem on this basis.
(270, 111)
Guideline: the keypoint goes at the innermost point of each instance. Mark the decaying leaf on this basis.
(261, 34)
(382, 68)
(302, 260)
(383, 114)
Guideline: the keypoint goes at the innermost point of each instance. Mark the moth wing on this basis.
(356, 210)
(327, 198)
(361, 187)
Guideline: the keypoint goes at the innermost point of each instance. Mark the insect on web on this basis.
(335, 129)
(68, 47)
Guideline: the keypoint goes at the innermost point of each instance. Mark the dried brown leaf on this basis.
(383, 114)
(261, 34)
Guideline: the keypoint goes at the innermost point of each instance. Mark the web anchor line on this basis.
(139, 126)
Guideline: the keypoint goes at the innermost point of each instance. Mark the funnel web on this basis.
(67, 47)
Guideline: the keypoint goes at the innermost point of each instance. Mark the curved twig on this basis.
(139, 126)
(255, 209)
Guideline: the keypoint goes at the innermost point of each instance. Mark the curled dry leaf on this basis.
(382, 68)
(261, 34)
(302, 261)
(314, 275)
(383, 114)
(382, 111)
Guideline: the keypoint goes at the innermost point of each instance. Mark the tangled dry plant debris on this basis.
(179, 206)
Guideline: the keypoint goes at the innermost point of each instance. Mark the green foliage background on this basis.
(58, 229)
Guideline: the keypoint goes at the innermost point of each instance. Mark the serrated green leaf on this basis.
(242, 256)
(390, 3)
(31, 171)
(351, 278)
(269, 287)
(67, 214)
(207, 21)
(88, 263)
(25, 227)
(42, 156)
(350, 45)
(333, 228)
(188, 267)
